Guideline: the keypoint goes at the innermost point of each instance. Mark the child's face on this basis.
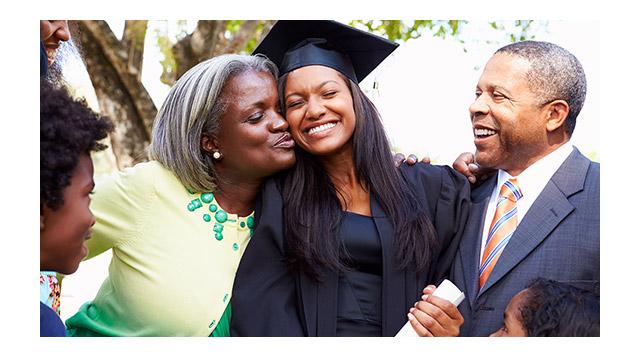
(64, 231)
(512, 325)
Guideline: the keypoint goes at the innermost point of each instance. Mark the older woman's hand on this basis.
(398, 159)
(435, 317)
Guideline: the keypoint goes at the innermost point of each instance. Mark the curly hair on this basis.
(558, 309)
(68, 129)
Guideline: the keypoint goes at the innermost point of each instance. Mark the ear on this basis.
(208, 143)
(557, 112)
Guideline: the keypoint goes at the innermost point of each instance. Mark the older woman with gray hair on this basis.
(178, 224)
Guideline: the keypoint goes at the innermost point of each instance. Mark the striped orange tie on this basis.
(503, 225)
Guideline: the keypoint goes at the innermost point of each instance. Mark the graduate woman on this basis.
(345, 242)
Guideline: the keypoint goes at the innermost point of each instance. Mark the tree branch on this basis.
(268, 24)
(245, 33)
(133, 43)
(116, 55)
(198, 46)
(121, 95)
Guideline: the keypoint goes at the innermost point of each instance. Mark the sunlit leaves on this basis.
(405, 30)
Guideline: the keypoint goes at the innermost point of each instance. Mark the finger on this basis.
(461, 164)
(483, 172)
(466, 158)
(474, 168)
(446, 306)
(398, 159)
(426, 160)
(472, 179)
(445, 325)
(448, 326)
(417, 326)
(412, 159)
(429, 289)
(434, 327)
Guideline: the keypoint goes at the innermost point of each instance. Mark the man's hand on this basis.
(466, 165)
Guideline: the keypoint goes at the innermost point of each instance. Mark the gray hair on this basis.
(193, 108)
(554, 74)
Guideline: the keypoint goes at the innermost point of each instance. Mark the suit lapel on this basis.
(470, 244)
(547, 211)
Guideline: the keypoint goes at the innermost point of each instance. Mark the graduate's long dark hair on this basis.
(312, 209)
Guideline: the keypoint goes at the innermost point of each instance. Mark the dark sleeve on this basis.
(44, 61)
(447, 195)
(50, 323)
(264, 299)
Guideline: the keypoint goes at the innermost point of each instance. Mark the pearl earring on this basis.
(217, 155)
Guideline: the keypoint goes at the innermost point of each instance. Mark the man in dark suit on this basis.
(539, 214)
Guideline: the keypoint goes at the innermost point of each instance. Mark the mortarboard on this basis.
(292, 44)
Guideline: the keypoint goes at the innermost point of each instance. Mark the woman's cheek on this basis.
(294, 126)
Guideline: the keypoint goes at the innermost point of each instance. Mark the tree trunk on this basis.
(208, 40)
(114, 69)
(240, 39)
(133, 42)
(198, 46)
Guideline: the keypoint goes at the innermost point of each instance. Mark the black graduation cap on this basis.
(292, 44)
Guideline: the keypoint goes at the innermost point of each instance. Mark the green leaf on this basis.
(454, 27)
(234, 25)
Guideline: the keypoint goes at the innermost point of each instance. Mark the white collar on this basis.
(535, 177)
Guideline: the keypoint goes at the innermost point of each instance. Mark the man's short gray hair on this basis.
(555, 74)
(192, 108)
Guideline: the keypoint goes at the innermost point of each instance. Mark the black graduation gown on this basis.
(270, 299)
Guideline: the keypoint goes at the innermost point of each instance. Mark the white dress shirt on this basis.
(531, 182)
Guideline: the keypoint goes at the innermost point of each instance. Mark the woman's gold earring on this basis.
(217, 155)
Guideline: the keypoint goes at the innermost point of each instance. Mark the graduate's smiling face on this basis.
(319, 109)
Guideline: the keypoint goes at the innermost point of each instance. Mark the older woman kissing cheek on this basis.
(179, 224)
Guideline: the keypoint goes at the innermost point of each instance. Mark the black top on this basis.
(362, 243)
(360, 288)
(272, 299)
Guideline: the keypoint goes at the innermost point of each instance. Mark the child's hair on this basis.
(558, 309)
(68, 129)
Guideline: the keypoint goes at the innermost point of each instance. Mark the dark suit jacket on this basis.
(271, 299)
(559, 239)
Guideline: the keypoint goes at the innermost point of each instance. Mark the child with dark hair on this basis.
(547, 308)
(69, 132)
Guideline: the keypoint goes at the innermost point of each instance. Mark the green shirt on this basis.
(175, 255)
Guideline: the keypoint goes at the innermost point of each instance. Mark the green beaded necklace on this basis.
(220, 215)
